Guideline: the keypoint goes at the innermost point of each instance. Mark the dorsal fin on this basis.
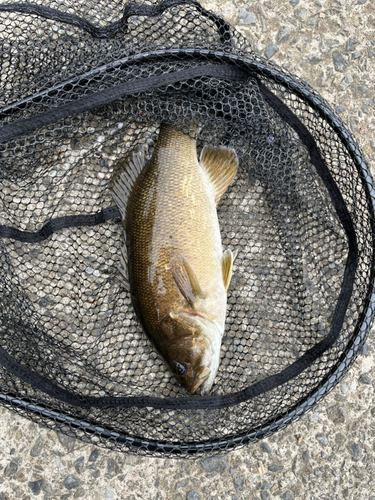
(123, 268)
(124, 183)
(220, 163)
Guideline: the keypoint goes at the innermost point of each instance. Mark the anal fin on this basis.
(187, 282)
(221, 164)
(228, 259)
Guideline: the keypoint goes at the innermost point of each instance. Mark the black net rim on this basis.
(231, 72)
(259, 67)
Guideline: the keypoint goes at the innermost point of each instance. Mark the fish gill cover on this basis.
(83, 87)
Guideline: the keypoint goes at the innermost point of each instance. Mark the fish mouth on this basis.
(199, 381)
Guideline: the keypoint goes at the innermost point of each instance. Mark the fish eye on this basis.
(180, 369)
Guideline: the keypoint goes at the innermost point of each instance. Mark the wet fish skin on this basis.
(177, 271)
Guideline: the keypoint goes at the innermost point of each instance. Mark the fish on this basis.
(172, 261)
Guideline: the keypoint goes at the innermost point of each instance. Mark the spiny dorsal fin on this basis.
(123, 268)
(228, 259)
(124, 184)
(220, 163)
(187, 282)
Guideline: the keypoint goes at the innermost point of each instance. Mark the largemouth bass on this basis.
(172, 261)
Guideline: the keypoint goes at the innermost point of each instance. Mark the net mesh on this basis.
(66, 318)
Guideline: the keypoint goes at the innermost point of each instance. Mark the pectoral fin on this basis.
(221, 164)
(228, 259)
(187, 282)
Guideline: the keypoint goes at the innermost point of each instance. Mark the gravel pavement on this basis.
(330, 452)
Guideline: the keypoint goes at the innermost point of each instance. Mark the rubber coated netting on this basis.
(83, 86)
